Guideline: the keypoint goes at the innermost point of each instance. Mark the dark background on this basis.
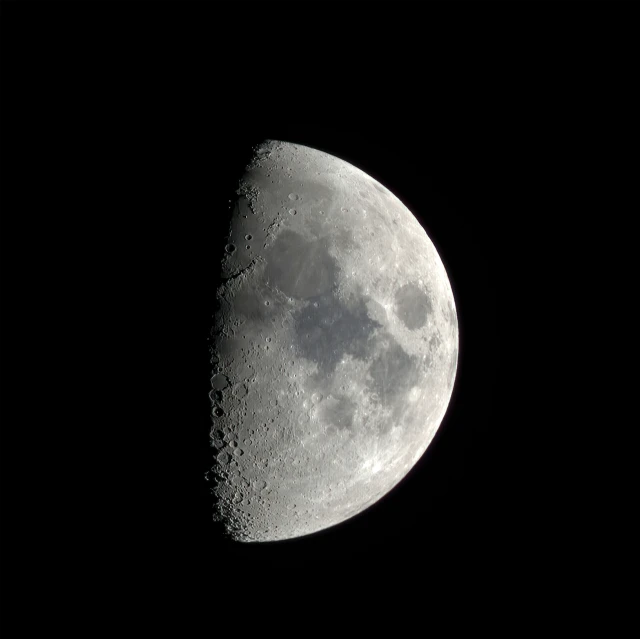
(124, 129)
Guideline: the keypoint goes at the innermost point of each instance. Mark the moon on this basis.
(335, 346)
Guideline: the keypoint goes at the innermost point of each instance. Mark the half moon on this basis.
(335, 346)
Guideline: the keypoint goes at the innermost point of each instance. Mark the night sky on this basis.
(125, 128)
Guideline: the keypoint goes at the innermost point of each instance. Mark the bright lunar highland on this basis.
(335, 346)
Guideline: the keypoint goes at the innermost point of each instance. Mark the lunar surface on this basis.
(335, 346)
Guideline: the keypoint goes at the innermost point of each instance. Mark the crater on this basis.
(219, 381)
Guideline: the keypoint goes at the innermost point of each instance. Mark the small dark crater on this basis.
(230, 248)
(218, 412)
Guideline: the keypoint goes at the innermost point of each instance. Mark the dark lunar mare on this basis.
(412, 306)
(300, 268)
(327, 330)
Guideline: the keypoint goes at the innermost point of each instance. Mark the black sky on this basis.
(124, 128)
